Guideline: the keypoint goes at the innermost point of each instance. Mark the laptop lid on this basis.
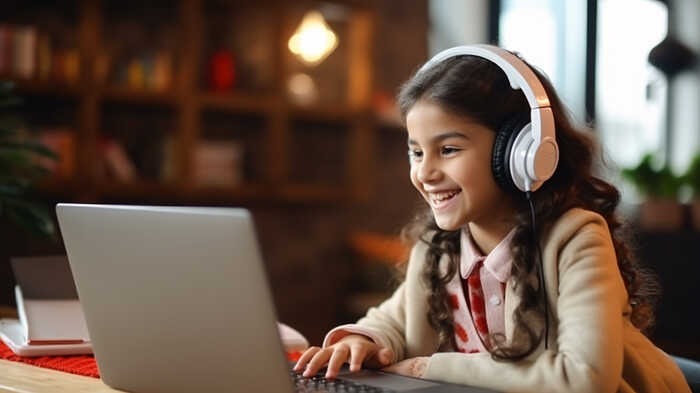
(175, 298)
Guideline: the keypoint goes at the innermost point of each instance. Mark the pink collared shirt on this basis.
(493, 276)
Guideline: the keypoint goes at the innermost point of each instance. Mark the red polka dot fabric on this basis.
(454, 302)
(477, 294)
(460, 332)
(469, 306)
(476, 302)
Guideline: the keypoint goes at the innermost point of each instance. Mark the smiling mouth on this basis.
(442, 199)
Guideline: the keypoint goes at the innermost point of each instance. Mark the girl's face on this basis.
(450, 159)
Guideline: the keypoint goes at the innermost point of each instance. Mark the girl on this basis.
(483, 303)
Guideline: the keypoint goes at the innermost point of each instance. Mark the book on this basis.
(117, 161)
(6, 48)
(62, 142)
(24, 53)
(218, 163)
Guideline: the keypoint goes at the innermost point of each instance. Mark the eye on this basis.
(447, 150)
(414, 155)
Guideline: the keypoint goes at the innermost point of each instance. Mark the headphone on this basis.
(525, 152)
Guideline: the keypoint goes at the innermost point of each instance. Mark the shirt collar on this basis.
(498, 262)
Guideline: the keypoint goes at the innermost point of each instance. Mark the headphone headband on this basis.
(519, 74)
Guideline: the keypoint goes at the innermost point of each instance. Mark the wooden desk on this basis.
(18, 377)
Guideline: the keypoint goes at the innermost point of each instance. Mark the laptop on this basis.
(176, 299)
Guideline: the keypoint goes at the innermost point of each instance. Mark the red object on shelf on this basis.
(222, 74)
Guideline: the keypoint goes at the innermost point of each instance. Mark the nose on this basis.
(427, 171)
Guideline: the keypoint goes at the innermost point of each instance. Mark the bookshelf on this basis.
(290, 152)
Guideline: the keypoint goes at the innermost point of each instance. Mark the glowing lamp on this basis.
(313, 40)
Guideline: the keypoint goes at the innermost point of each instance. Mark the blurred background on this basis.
(287, 108)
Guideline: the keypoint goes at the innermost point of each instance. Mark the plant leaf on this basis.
(11, 190)
(31, 216)
(30, 146)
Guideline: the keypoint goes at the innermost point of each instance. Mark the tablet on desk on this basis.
(51, 321)
(12, 334)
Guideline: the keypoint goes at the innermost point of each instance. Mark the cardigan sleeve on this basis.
(383, 324)
(386, 323)
(589, 323)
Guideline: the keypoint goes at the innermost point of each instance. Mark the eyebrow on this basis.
(441, 137)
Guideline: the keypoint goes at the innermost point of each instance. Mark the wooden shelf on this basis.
(45, 87)
(238, 102)
(194, 114)
(60, 186)
(326, 113)
(139, 96)
(314, 193)
(244, 193)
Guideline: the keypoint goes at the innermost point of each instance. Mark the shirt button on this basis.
(495, 300)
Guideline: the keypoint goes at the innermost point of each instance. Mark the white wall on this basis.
(685, 111)
(457, 22)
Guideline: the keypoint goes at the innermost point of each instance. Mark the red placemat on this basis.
(78, 364)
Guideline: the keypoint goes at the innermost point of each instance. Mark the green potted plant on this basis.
(659, 187)
(692, 179)
(20, 168)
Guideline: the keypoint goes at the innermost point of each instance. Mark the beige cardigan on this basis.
(593, 346)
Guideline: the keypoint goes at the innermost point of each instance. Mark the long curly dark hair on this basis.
(475, 87)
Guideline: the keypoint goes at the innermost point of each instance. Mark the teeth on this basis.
(442, 196)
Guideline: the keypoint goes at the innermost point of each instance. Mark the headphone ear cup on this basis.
(502, 146)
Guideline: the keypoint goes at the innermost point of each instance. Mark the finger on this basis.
(320, 358)
(380, 359)
(339, 356)
(305, 357)
(358, 353)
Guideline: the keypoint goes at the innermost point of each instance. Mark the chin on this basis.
(447, 224)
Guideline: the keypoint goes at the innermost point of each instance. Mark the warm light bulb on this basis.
(313, 40)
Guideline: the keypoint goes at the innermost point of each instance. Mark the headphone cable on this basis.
(528, 195)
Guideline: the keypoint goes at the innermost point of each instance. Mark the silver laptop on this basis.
(176, 300)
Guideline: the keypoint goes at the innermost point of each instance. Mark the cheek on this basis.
(413, 174)
(474, 174)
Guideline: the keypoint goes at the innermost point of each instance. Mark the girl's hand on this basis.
(413, 367)
(354, 349)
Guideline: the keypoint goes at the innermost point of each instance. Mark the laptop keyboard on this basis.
(319, 384)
